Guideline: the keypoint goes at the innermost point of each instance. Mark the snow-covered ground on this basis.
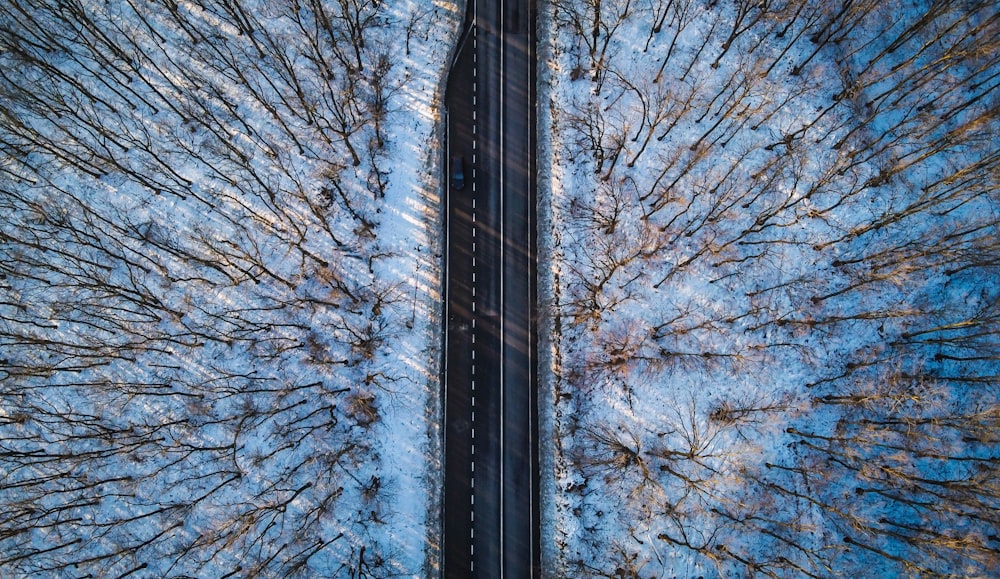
(769, 262)
(769, 269)
(220, 287)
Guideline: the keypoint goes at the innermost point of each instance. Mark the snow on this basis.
(219, 345)
(768, 275)
(721, 253)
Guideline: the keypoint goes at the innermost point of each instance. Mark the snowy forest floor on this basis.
(769, 261)
(220, 287)
(769, 253)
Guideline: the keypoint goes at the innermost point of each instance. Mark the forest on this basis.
(217, 287)
(769, 256)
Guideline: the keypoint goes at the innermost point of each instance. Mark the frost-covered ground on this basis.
(770, 259)
(218, 287)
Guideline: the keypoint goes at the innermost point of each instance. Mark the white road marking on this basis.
(475, 143)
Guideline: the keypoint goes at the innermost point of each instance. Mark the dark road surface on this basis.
(491, 463)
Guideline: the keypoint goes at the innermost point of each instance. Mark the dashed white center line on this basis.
(472, 478)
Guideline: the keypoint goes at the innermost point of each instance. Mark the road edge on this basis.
(547, 301)
(434, 558)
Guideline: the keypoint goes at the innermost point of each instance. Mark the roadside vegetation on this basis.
(771, 244)
(217, 291)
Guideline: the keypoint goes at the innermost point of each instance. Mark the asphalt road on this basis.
(491, 463)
